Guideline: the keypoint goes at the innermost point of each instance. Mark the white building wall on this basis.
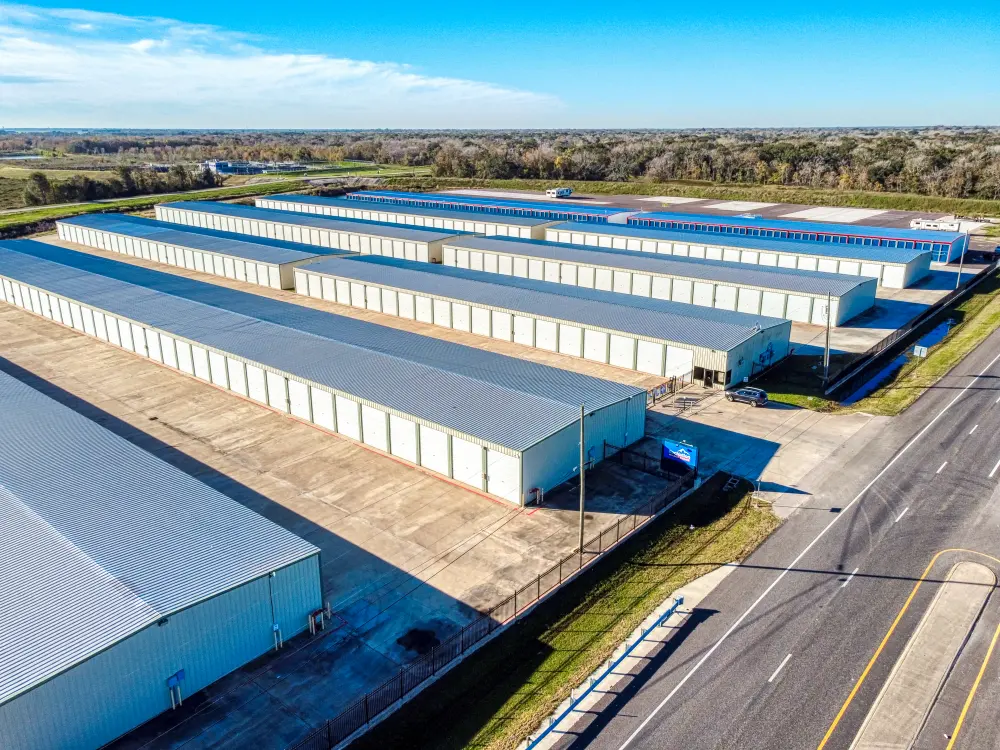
(126, 685)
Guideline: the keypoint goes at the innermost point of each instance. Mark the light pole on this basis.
(961, 259)
(826, 351)
(583, 475)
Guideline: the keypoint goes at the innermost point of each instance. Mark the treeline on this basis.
(121, 183)
(951, 162)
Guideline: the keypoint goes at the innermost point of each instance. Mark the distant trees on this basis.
(952, 162)
(120, 183)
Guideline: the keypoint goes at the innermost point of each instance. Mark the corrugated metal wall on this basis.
(125, 685)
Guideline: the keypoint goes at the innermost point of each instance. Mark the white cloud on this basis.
(109, 70)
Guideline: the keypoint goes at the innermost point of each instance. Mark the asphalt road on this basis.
(771, 657)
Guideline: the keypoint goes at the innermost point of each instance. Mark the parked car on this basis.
(752, 396)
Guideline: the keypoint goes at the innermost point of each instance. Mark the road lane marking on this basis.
(973, 429)
(780, 667)
(995, 469)
(844, 584)
(902, 514)
(942, 468)
(756, 603)
(972, 692)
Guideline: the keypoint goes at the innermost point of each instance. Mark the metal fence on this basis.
(361, 713)
(851, 377)
(663, 390)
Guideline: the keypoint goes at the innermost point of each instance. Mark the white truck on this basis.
(562, 192)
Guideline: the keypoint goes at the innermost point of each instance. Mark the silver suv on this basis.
(752, 396)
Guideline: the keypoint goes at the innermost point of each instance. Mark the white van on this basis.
(559, 192)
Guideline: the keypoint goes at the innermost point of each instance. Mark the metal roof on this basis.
(258, 249)
(99, 539)
(372, 228)
(721, 271)
(378, 206)
(486, 202)
(694, 325)
(502, 400)
(873, 253)
(818, 227)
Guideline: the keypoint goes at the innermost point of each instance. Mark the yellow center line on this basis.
(885, 640)
(972, 692)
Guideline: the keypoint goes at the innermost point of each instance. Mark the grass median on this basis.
(798, 382)
(502, 692)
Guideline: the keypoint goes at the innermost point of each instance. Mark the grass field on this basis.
(975, 318)
(761, 193)
(502, 692)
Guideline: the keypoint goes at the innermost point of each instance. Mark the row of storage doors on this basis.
(194, 260)
(462, 460)
(800, 308)
(359, 243)
(849, 267)
(389, 217)
(621, 350)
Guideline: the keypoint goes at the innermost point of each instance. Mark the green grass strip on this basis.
(502, 692)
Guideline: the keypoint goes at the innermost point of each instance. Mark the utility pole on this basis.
(583, 469)
(961, 260)
(826, 351)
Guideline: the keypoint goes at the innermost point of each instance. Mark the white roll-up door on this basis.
(124, 328)
(807, 262)
(641, 284)
(536, 269)
(725, 297)
(681, 291)
(893, 276)
(567, 274)
(403, 438)
(819, 311)
(731, 254)
(749, 301)
(768, 259)
(788, 261)
(828, 265)
(390, 304)
(237, 376)
(100, 322)
(298, 399)
(595, 345)
(874, 270)
(545, 335)
(200, 358)
(571, 340)
(749, 256)
(503, 475)
(660, 287)
(505, 265)
(373, 427)
(461, 317)
(448, 256)
(585, 277)
(502, 325)
(218, 364)
(680, 362)
(152, 339)
(406, 306)
(442, 312)
(521, 267)
(277, 391)
(622, 282)
(256, 388)
(424, 309)
(551, 272)
(798, 308)
(703, 293)
(622, 351)
(713, 253)
(467, 462)
(603, 279)
(649, 357)
(322, 408)
(348, 417)
(772, 304)
(481, 321)
(849, 268)
(524, 330)
(168, 350)
(434, 450)
(185, 360)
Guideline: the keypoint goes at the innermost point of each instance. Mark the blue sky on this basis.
(541, 64)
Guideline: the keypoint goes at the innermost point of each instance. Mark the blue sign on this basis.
(681, 452)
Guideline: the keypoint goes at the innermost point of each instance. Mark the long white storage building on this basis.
(393, 240)
(658, 337)
(258, 260)
(894, 267)
(127, 584)
(773, 292)
(493, 423)
(524, 227)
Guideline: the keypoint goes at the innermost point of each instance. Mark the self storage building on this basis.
(894, 267)
(434, 218)
(658, 337)
(943, 246)
(492, 423)
(562, 211)
(411, 243)
(797, 295)
(127, 584)
(255, 259)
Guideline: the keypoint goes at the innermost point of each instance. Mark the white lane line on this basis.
(997, 401)
(973, 429)
(849, 577)
(900, 516)
(780, 667)
(756, 603)
(942, 468)
(995, 469)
